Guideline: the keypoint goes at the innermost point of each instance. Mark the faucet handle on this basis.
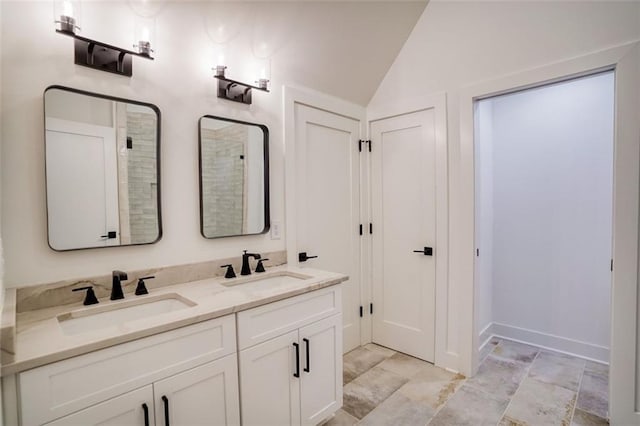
(230, 272)
(90, 297)
(141, 288)
(260, 266)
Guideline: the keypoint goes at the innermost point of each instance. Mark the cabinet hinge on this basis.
(370, 228)
(477, 252)
(360, 229)
(371, 308)
(361, 311)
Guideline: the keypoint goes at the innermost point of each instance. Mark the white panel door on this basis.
(404, 217)
(328, 203)
(134, 408)
(82, 185)
(205, 395)
(270, 393)
(321, 375)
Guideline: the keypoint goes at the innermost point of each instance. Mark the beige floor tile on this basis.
(368, 390)
(593, 396)
(399, 410)
(557, 369)
(358, 361)
(582, 418)
(515, 351)
(499, 377)
(596, 367)
(404, 365)
(469, 406)
(488, 348)
(432, 386)
(538, 403)
(379, 349)
(341, 418)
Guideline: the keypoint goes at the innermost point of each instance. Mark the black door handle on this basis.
(145, 408)
(427, 251)
(297, 373)
(110, 235)
(303, 257)
(165, 400)
(307, 368)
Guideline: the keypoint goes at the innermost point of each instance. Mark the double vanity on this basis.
(260, 349)
(185, 346)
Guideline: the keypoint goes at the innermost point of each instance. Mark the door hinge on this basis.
(477, 252)
(611, 265)
(361, 311)
(370, 228)
(360, 229)
(360, 142)
(371, 308)
(369, 143)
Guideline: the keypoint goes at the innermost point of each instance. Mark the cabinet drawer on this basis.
(274, 319)
(61, 388)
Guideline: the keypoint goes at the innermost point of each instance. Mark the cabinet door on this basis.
(321, 365)
(269, 391)
(205, 395)
(123, 410)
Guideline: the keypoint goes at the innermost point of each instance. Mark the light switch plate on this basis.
(276, 230)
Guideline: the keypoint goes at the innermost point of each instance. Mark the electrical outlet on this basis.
(276, 230)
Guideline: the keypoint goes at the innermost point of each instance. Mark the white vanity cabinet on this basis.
(194, 368)
(291, 360)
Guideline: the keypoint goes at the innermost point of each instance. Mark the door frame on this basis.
(625, 60)
(444, 356)
(293, 95)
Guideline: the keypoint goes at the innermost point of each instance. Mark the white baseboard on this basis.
(565, 345)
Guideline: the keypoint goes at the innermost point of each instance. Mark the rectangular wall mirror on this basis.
(234, 177)
(102, 170)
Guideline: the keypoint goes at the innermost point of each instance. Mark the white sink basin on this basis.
(269, 278)
(93, 318)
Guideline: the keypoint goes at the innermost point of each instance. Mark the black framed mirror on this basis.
(102, 170)
(234, 177)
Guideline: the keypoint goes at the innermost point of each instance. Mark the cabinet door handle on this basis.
(145, 408)
(165, 400)
(297, 373)
(307, 368)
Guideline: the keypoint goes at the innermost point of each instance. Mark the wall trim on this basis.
(565, 345)
(485, 336)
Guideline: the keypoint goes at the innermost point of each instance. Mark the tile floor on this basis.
(516, 384)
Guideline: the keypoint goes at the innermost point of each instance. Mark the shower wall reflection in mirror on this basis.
(102, 170)
(234, 183)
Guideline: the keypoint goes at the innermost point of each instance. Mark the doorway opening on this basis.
(543, 214)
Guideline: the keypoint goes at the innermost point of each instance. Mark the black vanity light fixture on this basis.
(96, 54)
(235, 90)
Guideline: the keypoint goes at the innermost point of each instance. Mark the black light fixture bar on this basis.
(102, 56)
(235, 90)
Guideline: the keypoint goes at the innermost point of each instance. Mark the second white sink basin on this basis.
(270, 278)
(91, 319)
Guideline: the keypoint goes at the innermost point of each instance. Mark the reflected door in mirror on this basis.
(102, 170)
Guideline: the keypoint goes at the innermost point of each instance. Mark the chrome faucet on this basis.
(116, 285)
(246, 269)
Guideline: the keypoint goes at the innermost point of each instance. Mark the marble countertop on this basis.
(40, 340)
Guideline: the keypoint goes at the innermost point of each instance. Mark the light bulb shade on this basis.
(67, 15)
(262, 72)
(144, 34)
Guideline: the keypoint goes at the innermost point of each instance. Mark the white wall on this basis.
(552, 207)
(457, 44)
(484, 218)
(179, 82)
